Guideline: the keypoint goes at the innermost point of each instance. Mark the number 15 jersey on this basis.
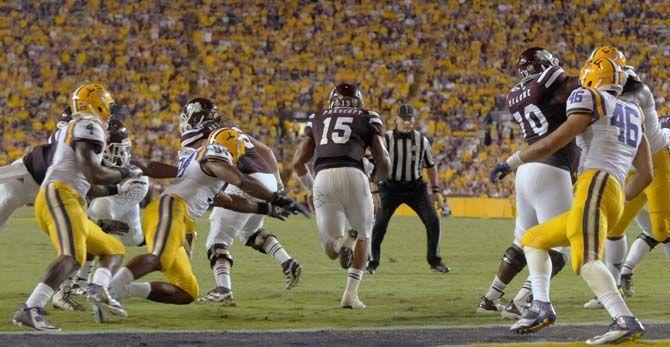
(610, 142)
(341, 136)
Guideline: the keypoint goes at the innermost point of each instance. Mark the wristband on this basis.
(263, 208)
(307, 181)
(514, 161)
(112, 189)
(125, 172)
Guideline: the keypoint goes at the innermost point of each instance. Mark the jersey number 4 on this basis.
(533, 116)
(340, 132)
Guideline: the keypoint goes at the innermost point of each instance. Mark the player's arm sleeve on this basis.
(552, 77)
(428, 159)
(376, 124)
(585, 101)
(309, 132)
(216, 152)
(89, 131)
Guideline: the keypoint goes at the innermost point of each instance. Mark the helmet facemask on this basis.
(117, 154)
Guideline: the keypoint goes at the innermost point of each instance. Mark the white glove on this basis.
(133, 189)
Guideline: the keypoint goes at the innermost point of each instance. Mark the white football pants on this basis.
(17, 188)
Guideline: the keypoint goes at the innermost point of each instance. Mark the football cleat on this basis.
(489, 306)
(351, 301)
(371, 269)
(63, 300)
(79, 288)
(622, 329)
(440, 268)
(292, 272)
(32, 317)
(540, 315)
(219, 295)
(515, 310)
(627, 285)
(103, 304)
(593, 303)
(347, 249)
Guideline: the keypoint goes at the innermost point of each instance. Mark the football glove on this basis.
(130, 171)
(273, 211)
(131, 187)
(111, 226)
(283, 201)
(499, 172)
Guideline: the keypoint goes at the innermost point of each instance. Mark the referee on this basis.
(409, 152)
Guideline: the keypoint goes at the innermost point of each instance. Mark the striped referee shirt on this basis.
(409, 153)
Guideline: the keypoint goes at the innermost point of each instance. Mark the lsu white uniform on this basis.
(609, 145)
(169, 219)
(124, 207)
(60, 204)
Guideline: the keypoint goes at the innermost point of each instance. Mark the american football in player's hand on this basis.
(111, 226)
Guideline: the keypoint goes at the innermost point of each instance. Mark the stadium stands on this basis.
(268, 67)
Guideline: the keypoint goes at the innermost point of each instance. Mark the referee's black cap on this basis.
(405, 110)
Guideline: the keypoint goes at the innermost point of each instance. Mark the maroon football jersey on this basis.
(251, 162)
(341, 136)
(538, 112)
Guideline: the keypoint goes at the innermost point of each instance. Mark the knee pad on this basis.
(251, 241)
(219, 251)
(557, 261)
(515, 257)
(650, 241)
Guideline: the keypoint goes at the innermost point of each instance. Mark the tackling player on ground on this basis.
(60, 209)
(609, 132)
(336, 138)
(543, 187)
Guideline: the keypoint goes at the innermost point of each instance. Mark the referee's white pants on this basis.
(17, 188)
(542, 192)
(225, 224)
(342, 194)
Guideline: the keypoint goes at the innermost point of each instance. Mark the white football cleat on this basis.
(515, 310)
(220, 295)
(63, 300)
(103, 304)
(487, 306)
(32, 317)
(292, 273)
(593, 303)
(351, 301)
(622, 329)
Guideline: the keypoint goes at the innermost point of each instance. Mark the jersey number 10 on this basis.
(535, 118)
(340, 132)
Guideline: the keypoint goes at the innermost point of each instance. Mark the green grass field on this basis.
(403, 293)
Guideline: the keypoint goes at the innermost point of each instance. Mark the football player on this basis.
(543, 187)
(169, 222)
(336, 138)
(609, 132)
(123, 208)
(260, 163)
(645, 242)
(20, 181)
(657, 195)
(60, 210)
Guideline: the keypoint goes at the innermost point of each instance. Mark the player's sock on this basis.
(539, 267)
(638, 250)
(40, 295)
(666, 248)
(120, 281)
(102, 277)
(84, 272)
(615, 256)
(601, 282)
(354, 277)
(275, 250)
(496, 290)
(222, 276)
(525, 291)
(139, 289)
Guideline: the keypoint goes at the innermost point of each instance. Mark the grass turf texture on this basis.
(403, 293)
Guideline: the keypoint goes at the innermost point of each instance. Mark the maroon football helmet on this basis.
(196, 112)
(346, 95)
(188, 138)
(117, 152)
(534, 60)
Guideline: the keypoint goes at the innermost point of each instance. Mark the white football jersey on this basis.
(124, 202)
(610, 142)
(193, 184)
(639, 93)
(64, 167)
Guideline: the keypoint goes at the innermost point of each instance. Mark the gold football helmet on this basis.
(231, 139)
(92, 98)
(602, 73)
(609, 52)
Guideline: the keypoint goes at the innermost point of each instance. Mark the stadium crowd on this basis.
(268, 67)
